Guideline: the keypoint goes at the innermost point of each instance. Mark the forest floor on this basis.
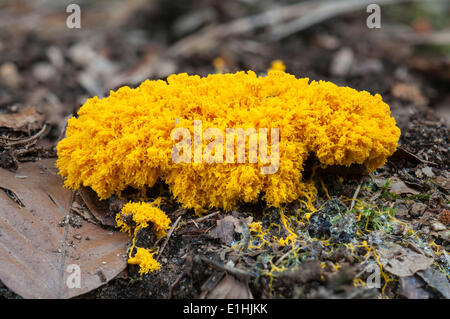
(393, 223)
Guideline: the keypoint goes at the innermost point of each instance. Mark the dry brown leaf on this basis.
(409, 92)
(226, 228)
(10, 76)
(442, 181)
(99, 208)
(411, 288)
(403, 262)
(436, 280)
(379, 181)
(35, 250)
(397, 186)
(307, 271)
(82, 210)
(428, 171)
(230, 288)
(26, 120)
(402, 153)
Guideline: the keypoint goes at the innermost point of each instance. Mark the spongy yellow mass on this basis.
(142, 214)
(277, 65)
(144, 258)
(125, 139)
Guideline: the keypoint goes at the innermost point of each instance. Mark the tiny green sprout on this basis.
(335, 219)
(385, 189)
(375, 219)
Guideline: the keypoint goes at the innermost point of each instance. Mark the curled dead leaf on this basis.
(403, 262)
(411, 288)
(397, 186)
(39, 244)
(230, 288)
(99, 208)
(403, 154)
(26, 120)
(409, 92)
(442, 181)
(226, 229)
(436, 280)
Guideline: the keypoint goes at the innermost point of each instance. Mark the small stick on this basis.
(355, 195)
(232, 270)
(325, 10)
(198, 220)
(281, 258)
(172, 286)
(168, 237)
(26, 140)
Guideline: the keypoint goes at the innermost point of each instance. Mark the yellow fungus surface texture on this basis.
(124, 140)
(277, 65)
(142, 214)
(144, 258)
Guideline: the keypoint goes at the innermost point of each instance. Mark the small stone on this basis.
(437, 226)
(400, 210)
(78, 237)
(417, 209)
(44, 71)
(327, 41)
(10, 76)
(342, 62)
(419, 173)
(436, 200)
(368, 66)
(428, 171)
(445, 235)
(55, 56)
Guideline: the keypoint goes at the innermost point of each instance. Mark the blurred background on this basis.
(53, 68)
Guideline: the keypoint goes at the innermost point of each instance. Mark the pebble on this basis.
(437, 226)
(342, 62)
(417, 209)
(9, 75)
(44, 71)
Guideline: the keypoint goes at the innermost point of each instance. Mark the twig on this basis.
(305, 15)
(168, 237)
(13, 142)
(172, 286)
(430, 38)
(355, 195)
(198, 220)
(210, 35)
(282, 257)
(179, 212)
(326, 10)
(232, 270)
(24, 151)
